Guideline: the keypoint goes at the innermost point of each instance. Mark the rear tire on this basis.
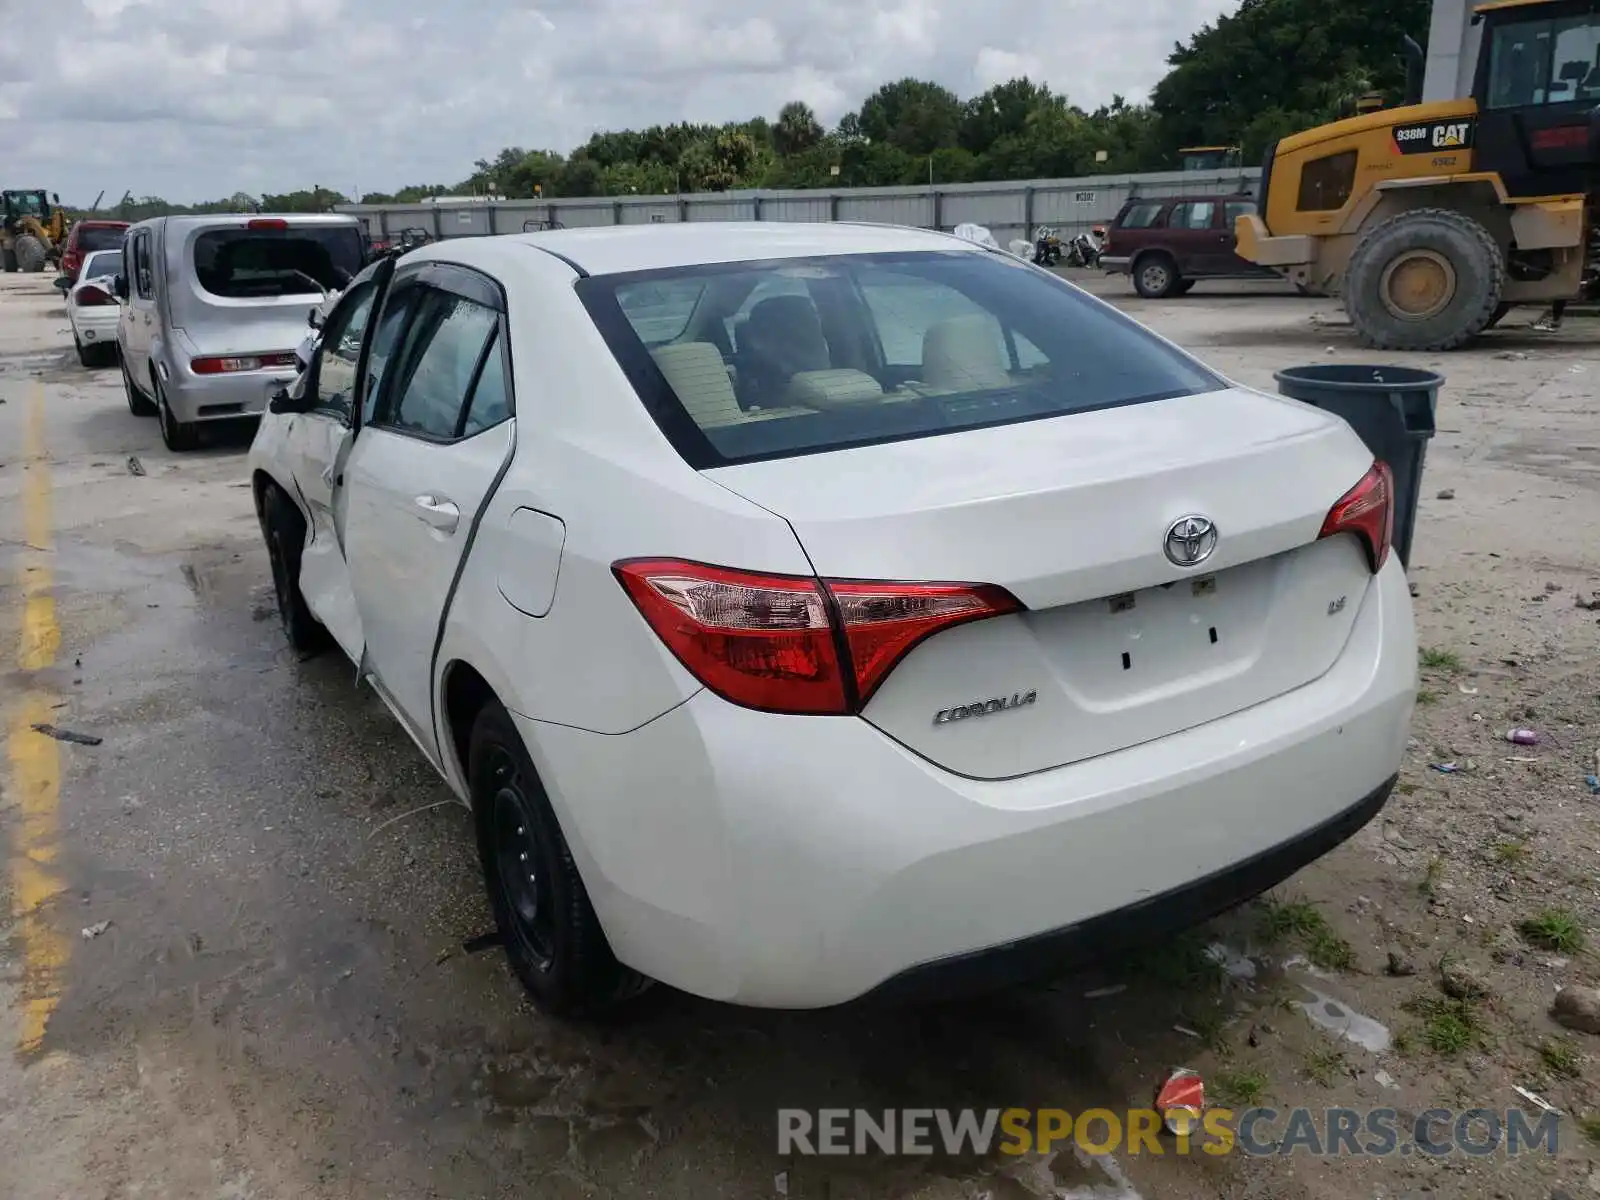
(138, 403)
(31, 253)
(1429, 279)
(548, 927)
(177, 436)
(285, 531)
(1155, 276)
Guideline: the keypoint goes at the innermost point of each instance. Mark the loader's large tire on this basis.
(31, 253)
(1429, 279)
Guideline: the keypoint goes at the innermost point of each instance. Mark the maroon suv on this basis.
(1167, 243)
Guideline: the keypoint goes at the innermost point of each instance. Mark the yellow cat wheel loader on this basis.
(1432, 220)
(32, 229)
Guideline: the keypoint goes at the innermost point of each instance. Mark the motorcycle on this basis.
(1046, 247)
(1084, 250)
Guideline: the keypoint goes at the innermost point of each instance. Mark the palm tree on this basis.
(797, 129)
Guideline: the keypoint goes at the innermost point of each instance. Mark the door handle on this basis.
(438, 512)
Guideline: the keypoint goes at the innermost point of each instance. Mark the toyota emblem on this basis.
(1190, 541)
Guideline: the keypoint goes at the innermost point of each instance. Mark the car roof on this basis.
(614, 249)
(185, 223)
(90, 223)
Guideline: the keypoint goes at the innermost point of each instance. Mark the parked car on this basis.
(1168, 243)
(92, 308)
(811, 611)
(84, 238)
(213, 307)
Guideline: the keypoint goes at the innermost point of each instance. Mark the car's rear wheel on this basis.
(138, 403)
(1155, 277)
(285, 531)
(547, 925)
(176, 435)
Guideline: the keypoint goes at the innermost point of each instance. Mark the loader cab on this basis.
(1537, 90)
(26, 204)
(1209, 158)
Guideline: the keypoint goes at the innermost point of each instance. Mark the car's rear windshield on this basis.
(101, 262)
(102, 237)
(296, 261)
(771, 359)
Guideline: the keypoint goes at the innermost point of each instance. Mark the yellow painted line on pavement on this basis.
(34, 761)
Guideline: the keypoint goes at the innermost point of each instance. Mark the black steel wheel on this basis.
(548, 927)
(285, 532)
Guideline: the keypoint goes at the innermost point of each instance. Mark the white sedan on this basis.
(820, 610)
(92, 309)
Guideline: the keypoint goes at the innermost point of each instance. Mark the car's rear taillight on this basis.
(231, 364)
(1367, 510)
(795, 644)
(266, 223)
(90, 296)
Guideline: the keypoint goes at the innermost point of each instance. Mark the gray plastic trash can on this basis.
(1391, 409)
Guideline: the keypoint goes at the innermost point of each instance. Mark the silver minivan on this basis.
(214, 306)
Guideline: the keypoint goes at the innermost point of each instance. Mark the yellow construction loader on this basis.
(33, 227)
(1432, 220)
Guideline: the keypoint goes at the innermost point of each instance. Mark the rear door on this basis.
(1196, 238)
(419, 472)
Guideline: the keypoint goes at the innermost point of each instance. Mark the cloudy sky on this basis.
(195, 99)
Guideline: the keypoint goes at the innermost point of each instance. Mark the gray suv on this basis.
(214, 306)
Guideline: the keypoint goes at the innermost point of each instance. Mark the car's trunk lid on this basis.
(1070, 514)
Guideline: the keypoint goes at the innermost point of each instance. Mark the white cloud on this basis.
(193, 99)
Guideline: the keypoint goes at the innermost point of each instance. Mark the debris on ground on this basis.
(1534, 1099)
(68, 735)
(1449, 768)
(1460, 982)
(135, 467)
(1591, 603)
(1577, 1007)
(1446, 494)
(90, 932)
(1181, 1100)
(780, 1183)
(1399, 965)
(1512, 355)
(1101, 993)
(1522, 737)
(1385, 1080)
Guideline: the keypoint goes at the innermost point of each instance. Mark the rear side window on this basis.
(857, 349)
(1192, 214)
(1140, 216)
(264, 263)
(445, 348)
(101, 262)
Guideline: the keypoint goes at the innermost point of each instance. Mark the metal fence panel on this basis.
(1008, 209)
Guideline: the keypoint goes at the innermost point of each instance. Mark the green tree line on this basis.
(1270, 69)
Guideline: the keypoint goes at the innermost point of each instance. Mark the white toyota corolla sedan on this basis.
(810, 612)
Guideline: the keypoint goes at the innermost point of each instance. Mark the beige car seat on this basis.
(696, 373)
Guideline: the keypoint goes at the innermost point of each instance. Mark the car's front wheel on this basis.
(548, 926)
(285, 531)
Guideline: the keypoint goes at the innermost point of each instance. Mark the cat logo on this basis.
(1430, 137)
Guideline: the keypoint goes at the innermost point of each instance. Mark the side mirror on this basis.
(63, 284)
(283, 401)
(314, 318)
(119, 287)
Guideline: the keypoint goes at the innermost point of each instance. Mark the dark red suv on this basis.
(1166, 243)
(86, 237)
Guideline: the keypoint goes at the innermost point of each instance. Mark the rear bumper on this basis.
(94, 325)
(1138, 924)
(801, 862)
(1116, 263)
(223, 397)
